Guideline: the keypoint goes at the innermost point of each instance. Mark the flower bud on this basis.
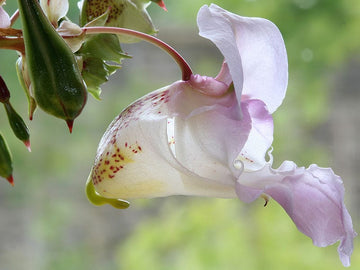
(4, 17)
(55, 77)
(122, 13)
(24, 80)
(4, 91)
(54, 9)
(16, 122)
(6, 168)
(17, 125)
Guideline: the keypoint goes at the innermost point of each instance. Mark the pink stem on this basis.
(185, 68)
(14, 17)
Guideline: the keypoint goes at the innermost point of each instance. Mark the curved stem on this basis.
(185, 68)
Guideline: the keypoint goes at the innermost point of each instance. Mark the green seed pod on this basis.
(6, 168)
(17, 125)
(55, 77)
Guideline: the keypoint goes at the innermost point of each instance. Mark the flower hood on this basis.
(210, 137)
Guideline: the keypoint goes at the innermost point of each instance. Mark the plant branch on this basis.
(12, 43)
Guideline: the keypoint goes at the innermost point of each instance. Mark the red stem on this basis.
(14, 17)
(185, 68)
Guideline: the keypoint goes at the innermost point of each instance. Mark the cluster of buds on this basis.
(18, 127)
(58, 63)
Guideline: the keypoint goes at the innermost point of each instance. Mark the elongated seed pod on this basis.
(55, 77)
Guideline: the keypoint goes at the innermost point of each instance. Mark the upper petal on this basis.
(254, 50)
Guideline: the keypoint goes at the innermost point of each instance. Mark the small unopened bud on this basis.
(6, 168)
(4, 91)
(18, 125)
(16, 122)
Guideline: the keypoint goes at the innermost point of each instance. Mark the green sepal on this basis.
(96, 53)
(103, 46)
(96, 199)
(96, 72)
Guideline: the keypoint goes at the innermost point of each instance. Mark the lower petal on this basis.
(313, 198)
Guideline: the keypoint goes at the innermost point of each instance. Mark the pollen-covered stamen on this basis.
(208, 85)
(266, 199)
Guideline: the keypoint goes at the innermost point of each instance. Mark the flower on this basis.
(4, 17)
(210, 137)
(54, 10)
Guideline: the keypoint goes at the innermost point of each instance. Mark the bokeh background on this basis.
(46, 221)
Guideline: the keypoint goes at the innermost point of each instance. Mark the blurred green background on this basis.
(46, 221)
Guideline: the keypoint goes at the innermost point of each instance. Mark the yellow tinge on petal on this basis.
(111, 178)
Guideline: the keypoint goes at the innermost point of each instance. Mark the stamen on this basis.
(266, 198)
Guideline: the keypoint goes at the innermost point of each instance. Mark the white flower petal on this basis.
(254, 50)
(55, 9)
(260, 138)
(176, 140)
(4, 18)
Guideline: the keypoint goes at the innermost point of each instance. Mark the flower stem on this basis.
(14, 17)
(185, 68)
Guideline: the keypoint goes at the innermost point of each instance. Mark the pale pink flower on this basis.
(210, 137)
(4, 17)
